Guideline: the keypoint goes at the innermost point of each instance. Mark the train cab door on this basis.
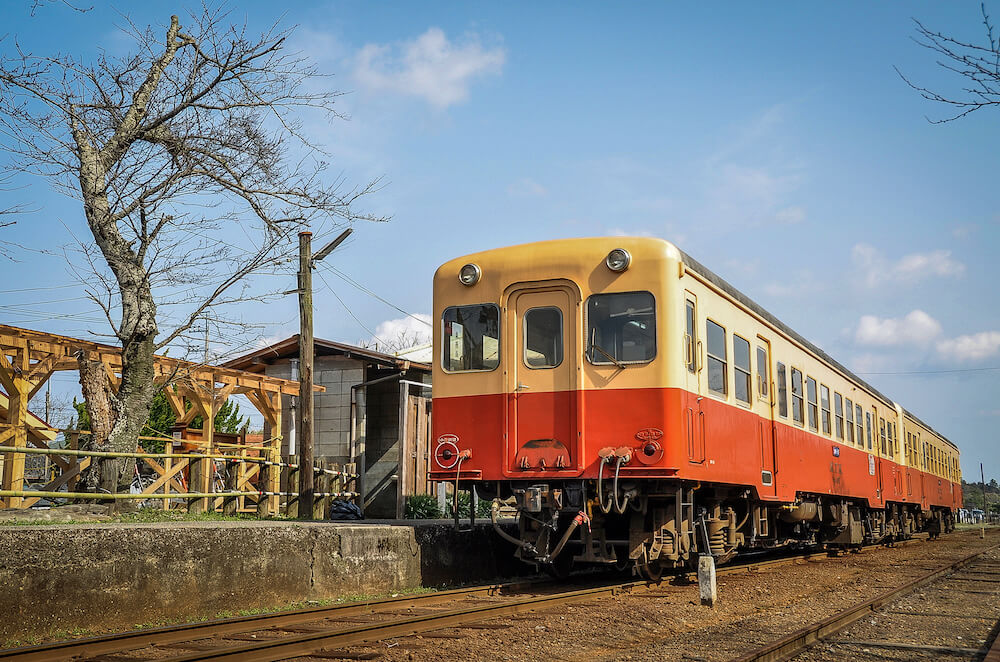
(541, 379)
(694, 415)
(764, 408)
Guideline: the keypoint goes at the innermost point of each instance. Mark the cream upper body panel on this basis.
(577, 266)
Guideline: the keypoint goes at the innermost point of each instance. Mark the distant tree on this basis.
(977, 64)
(167, 148)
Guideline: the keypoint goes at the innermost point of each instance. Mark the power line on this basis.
(931, 372)
(349, 311)
(364, 289)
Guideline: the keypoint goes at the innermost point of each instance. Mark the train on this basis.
(637, 410)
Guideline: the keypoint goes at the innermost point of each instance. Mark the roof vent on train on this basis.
(618, 260)
(470, 274)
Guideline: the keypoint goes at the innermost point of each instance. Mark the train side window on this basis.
(824, 403)
(718, 377)
(813, 410)
(691, 337)
(892, 439)
(762, 381)
(741, 368)
(621, 328)
(881, 430)
(471, 338)
(838, 412)
(782, 391)
(849, 408)
(797, 396)
(543, 337)
(861, 432)
(868, 428)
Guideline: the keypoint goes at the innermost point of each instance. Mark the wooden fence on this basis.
(240, 479)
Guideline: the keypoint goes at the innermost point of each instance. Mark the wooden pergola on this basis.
(28, 358)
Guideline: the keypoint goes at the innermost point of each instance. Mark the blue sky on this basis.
(774, 142)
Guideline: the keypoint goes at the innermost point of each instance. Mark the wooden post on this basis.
(263, 485)
(197, 478)
(12, 377)
(321, 505)
(230, 505)
(304, 429)
(168, 462)
(74, 444)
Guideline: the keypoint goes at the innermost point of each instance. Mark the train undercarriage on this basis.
(655, 525)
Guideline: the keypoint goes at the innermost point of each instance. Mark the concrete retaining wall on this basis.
(58, 578)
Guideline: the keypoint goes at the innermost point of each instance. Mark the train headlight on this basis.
(470, 274)
(618, 260)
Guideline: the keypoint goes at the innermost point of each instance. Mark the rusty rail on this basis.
(795, 643)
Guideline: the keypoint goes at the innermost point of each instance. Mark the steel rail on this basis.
(76, 649)
(279, 649)
(798, 641)
(268, 651)
(118, 642)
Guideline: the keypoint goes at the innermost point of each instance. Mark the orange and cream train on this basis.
(636, 408)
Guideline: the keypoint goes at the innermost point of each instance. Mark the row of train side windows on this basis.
(718, 361)
(845, 420)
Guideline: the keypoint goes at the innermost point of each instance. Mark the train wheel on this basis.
(651, 570)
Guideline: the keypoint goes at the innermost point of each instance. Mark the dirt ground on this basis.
(668, 623)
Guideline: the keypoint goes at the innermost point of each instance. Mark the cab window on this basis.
(621, 328)
(471, 338)
(543, 337)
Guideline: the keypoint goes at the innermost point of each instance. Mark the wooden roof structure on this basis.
(28, 358)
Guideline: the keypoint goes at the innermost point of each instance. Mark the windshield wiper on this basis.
(593, 346)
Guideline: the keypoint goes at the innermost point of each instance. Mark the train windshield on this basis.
(471, 338)
(621, 328)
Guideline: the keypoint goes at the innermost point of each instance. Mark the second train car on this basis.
(637, 409)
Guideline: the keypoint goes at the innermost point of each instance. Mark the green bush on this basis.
(464, 501)
(422, 506)
(483, 508)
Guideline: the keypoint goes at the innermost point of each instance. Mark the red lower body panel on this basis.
(701, 438)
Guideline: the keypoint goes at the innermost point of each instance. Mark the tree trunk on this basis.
(103, 472)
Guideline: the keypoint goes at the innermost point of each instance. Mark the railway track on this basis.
(817, 639)
(331, 629)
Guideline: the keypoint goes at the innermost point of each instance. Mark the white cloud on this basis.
(790, 215)
(964, 231)
(876, 269)
(526, 188)
(972, 347)
(430, 67)
(403, 333)
(916, 328)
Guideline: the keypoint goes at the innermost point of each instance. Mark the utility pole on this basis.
(982, 477)
(305, 377)
(307, 262)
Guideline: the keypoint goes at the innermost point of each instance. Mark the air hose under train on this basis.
(612, 501)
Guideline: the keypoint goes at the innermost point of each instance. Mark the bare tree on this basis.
(978, 64)
(194, 137)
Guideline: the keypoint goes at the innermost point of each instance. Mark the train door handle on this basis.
(522, 387)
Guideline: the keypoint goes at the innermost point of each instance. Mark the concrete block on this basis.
(330, 377)
(353, 375)
(706, 580)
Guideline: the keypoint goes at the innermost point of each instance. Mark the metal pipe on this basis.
(580, 518)
(494, 512)
(619, 508)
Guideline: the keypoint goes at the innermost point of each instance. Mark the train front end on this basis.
(557, 379)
